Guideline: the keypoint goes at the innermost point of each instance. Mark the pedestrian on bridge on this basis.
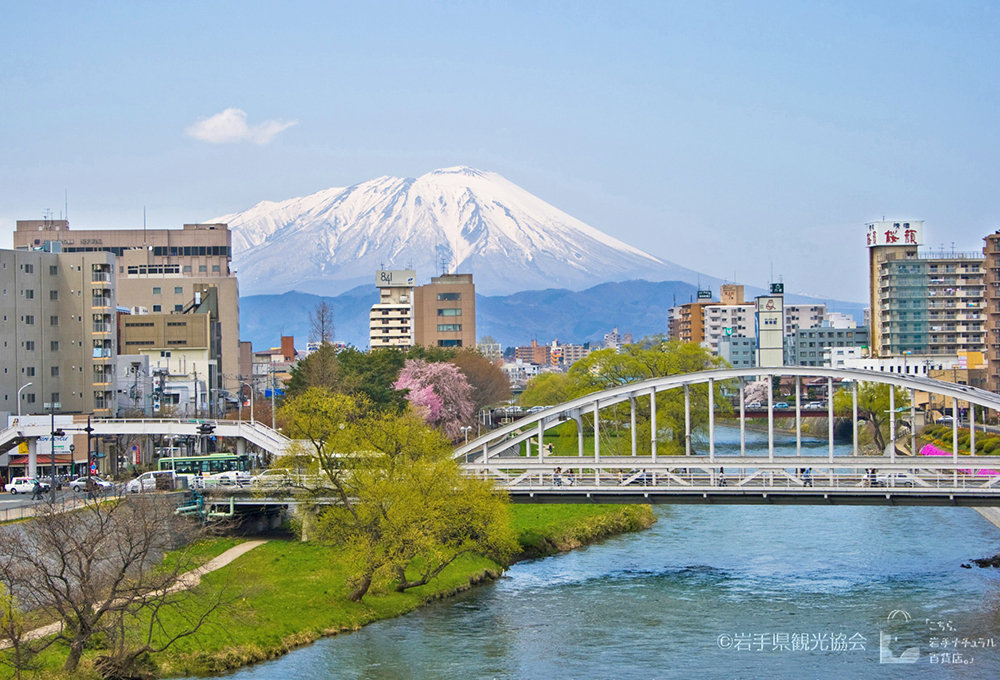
(36, 491)
(807, 477)
(722, 476)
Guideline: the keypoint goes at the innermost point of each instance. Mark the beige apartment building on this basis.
(58, 332)
(160, 271)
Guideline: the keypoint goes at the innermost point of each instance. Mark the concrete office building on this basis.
(930, 303)
(57, 332)
(739, 350)
(159, 270)
(445, 312)
(810, 346)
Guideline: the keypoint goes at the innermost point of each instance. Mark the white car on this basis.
(273, 477)
(893, 479)
(147, 481)
(23, 485)
(100, 485)
(237, 477)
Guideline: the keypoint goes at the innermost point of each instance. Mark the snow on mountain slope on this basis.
(477, 222)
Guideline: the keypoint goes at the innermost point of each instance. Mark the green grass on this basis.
(284, 594)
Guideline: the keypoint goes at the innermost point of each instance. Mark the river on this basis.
(710, 592)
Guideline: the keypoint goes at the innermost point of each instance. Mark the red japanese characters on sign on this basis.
(895, 234)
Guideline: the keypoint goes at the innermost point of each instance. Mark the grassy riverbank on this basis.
(289, 593)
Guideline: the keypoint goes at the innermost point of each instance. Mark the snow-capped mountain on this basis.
(476, 222)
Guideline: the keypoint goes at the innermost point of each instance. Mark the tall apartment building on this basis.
(991, 254)
(159, 270)
(534, 354)
(926, 304)
(803, 316)
(58, 332)
(439, 314)
(725, 320)
(390, 321)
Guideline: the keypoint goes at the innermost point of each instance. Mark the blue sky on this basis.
(725, 137)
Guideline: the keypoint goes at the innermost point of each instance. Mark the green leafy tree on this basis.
(547, 389)
(652, 357)
(489, 383)
(873, 408)
(405, 511)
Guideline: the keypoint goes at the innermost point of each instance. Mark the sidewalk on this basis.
(188, 580)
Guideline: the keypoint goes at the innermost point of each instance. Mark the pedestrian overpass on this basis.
(243, 432)
(644, 475)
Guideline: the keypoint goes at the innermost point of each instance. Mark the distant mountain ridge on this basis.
(639, 307)
(472, 221)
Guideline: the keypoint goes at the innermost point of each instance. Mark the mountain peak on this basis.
(472, 220)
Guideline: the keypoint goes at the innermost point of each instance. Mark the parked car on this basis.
(945, 420)
(781, 404)
(100, 485)
(755, 404)
(23, 485)
(148, 481)
(273, 477)
(815, 406)
(237, 477)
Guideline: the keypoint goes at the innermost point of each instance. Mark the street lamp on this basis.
(19, 399)
(465, 429)
(251, 401)
(52, 406)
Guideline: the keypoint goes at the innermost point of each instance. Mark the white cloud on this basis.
(231, 126)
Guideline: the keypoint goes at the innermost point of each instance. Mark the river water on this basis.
(710, 592)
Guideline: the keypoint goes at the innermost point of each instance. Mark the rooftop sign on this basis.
(895, 233)
(395, 278)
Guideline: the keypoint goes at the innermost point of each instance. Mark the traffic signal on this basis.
(206, 429)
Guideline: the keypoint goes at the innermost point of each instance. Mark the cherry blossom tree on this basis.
(440, 392)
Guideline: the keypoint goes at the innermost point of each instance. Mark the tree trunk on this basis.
(364, 584)
(75, 652)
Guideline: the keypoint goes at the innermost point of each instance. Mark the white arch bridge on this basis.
(642, 475)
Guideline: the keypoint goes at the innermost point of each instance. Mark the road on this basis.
(11, 501)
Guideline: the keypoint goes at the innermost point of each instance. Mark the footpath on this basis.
(185, 581)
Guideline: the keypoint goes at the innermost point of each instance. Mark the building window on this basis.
(54, 399)
(53, 295)
(29, 320)
(178, 308)
(449, 296)
(29, 268)
(55, 371)
(53, 270)
(29, 371)
(54, 345)
(187, 269)
(29, 398)
(215, 267)
(156, 290)
(449, 343)
(29, 294)
(449, 327)
(202, 268)
(53, 320)
(29, 345)
(178, 290)
(156, 308)
(449, 312)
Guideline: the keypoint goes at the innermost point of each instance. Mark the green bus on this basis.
(208, 465)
